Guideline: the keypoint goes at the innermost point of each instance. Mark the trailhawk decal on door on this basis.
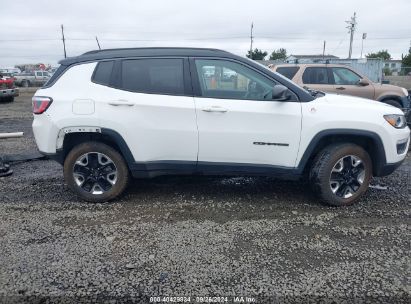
(260, 143)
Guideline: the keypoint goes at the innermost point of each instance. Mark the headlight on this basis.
(395, 120)
(405, 91)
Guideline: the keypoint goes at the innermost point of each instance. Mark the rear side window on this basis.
(61, 69)
(102, 73)
(315, 75)
(159, 76)
(288, 72)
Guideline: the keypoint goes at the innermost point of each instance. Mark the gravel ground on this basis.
(260, 238)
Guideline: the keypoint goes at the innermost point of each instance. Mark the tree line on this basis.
(258, 54)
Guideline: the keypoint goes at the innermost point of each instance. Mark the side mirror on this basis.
(280, 93)
(363, 83)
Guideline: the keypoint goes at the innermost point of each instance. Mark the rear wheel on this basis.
(341, 173)
(25, 84)
(96, 172)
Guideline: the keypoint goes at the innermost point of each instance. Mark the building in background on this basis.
(309, 58)
(392, 67)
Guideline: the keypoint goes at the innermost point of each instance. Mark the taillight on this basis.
(41, 104)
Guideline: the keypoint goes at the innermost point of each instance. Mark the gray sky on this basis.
(30, 30)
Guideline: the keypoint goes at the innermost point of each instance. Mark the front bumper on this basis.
(387, 169)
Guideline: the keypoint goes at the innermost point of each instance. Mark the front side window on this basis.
(315, 75)
(231, 80)
(343, 76)
(159, 76)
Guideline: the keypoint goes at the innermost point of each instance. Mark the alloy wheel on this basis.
(347, 176)
(95, 173)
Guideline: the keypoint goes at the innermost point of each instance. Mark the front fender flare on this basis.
(379, 160)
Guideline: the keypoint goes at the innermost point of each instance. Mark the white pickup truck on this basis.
(36, 78)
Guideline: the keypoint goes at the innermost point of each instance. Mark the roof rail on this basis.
(150, 48)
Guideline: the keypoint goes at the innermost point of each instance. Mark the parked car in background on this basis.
(52, 70)
(342, 79)
(7, 89)
(150, 112)
(36, 78)
(10, 70)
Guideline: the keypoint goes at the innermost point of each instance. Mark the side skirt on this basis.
(153, 169)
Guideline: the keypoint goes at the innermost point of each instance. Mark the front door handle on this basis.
(121, 102)
(215, 109)
(340, 88)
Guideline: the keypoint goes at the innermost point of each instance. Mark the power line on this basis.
(198, 39)
(263, 36)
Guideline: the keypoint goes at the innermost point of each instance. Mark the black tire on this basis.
(25, 84)
(7, 99)
(322, 177)
(94, 179)
(393, 103)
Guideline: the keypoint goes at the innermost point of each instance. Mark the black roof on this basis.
(145, 52)
(176, 52)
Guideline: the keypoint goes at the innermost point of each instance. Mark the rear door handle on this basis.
(340, 88)
(121, 102)
(215, 109)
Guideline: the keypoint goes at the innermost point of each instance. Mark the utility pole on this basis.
(351, 29)
(324, 50)
(251, 41)
(364, 36)
(64, 41)
(98, 43)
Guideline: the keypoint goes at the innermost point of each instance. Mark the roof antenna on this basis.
(64, 41)
(98, 43)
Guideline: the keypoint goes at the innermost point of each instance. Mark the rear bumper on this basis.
(4, 93)
(45, 133)
(58, 156)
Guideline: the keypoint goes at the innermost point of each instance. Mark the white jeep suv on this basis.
(111, 114)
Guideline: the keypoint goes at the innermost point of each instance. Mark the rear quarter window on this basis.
(61, 69)
(288, 72)
(102, 73)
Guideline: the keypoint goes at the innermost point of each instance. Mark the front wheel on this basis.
(393, 103)
(95, 172)
(341, 174)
